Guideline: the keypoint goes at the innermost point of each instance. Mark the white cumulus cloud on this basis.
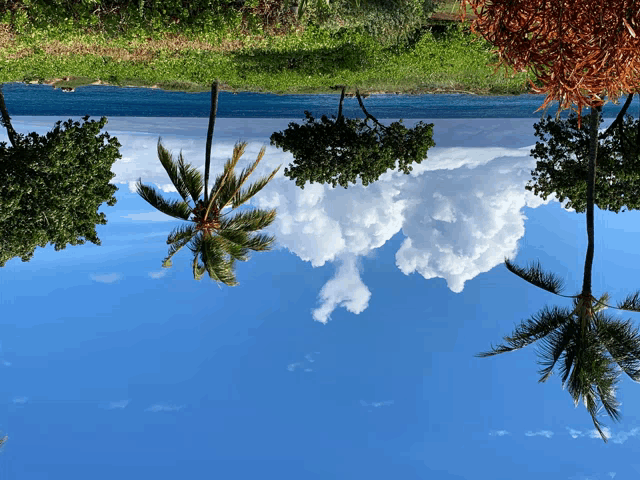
(344, 289)
(460, 210)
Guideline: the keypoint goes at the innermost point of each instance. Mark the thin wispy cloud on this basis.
(615, 437)
(612, 474)
(120, 404)
(160, 407)
(107, 278)
(156, 275)
(575, 433)
(595, 434)
(292, 366)
(540, 433)
(499, 433)
(621, 437)
(155, 216)
(376, 404)
(6, 364)
(304, 364)
(20, 400)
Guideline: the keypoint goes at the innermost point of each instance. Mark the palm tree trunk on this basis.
(212, 123)
(6, 120)
(340, 107)
(591, 180)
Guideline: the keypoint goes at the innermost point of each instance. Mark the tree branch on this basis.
(367, 113)
(6, 120)
(619, 118)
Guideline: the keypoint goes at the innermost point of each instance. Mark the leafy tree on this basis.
(53, 185)
(579, 50)
(339, 151)
(588, 342)
(563, 162)
(213, 237)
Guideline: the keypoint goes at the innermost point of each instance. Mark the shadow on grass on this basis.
(324, 61)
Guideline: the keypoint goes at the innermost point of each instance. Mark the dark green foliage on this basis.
(388, 20)
(338, 152)
(563, 162)
(52, 187)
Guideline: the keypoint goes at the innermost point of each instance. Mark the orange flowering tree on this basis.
(580, 51)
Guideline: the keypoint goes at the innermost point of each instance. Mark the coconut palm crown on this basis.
(216, 238)
(580, 338)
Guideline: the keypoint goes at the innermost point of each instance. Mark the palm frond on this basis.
(171, 168)
(227, 176)
(569, 357)
(593, 368)
(198, 270)
(218, 267)
(631, 303)
(536, 276)
(606, 388)
(260, 242)
(249, 220)
(177, 239)
(602, 303)
(173, 208)
(551, 349)
(234, 245)
(622, 341)
(540, 325)
(191, 178)
(241, 197)
(183, 231)
(592, 408)
(246, 172)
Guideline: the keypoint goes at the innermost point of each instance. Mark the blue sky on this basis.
(347, 352)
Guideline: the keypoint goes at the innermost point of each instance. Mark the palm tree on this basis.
(581, 337)
(216, 239)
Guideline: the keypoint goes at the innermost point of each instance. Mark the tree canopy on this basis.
(53, 186)
(563, 163)
(579, 49)
(340, 150)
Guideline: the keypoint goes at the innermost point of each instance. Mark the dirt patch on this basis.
(143, 50)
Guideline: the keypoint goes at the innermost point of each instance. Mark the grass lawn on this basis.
(306, 59)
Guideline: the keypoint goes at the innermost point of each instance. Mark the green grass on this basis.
(309, 61)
